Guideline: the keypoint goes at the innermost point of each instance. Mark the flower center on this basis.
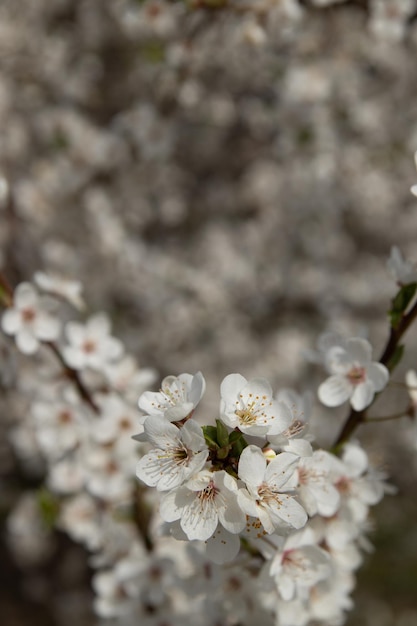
(89, 346)
(209, 493)
(28, 315)
(357, 375)
(267, 495)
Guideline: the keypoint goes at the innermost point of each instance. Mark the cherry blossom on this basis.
(265, 495)
(179, 454)
(355, 376)
(177, 398)
(207, 499)
(29, 320)
(250, 406)
(91, 345)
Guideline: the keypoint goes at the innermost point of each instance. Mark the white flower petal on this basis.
(360, 350)
(26, 341)
(222, 546)
(25, 296)
(362, 395)
(199, 519)
(378, 374)
(252, 466)
(75, 333)
(11, 321)
(335, 391)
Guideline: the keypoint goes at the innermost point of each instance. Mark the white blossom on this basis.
(28, 320)
(91, 345)
(265, 495)
(179, 453)
(355, 376)
(250, 406)
(177, 398)
(402, 269)
(207, 499)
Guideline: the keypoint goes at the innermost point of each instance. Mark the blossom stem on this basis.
(387, 418)
(6, 291)
(356, 418)
(74, 376)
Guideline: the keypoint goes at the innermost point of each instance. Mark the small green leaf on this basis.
(238, 447)
(234, 436)
(396, 357)
(222, 433)
(223, 452)
(400, 303)
(48, 506)
(210, 436)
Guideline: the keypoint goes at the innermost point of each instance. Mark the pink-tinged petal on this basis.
(25, 296)
(222, 546)
(360, 350)
(26, 342)
(75, 333)
(378, 375)
(11, 321)
(280, 473)
(231, 387)
(335, 391)
(252, 466)
(362, 395)
(199, 519)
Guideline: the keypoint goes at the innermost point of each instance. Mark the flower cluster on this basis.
(252, 490)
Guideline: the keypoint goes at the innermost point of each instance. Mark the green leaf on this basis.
(396, 357)
(48, 506)
(223, 452)
(400, 303)
(210, 436)
(222, 433)
(238, 447)
(235, 435)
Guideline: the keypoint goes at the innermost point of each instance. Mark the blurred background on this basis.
(227, 180)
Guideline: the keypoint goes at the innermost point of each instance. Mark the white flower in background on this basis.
(264, 496)
(91, 345)
(207, 499)
(360, 486)
(291, 439)
(179, 453)
(69, 290)
(80, 518)
(28, 320)
(299, 565)
(354, 375)
(388, 18)
(316, 491)
(177, 398)
(402, 270)
(250, 406)
(59, 426)
(128, 379)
